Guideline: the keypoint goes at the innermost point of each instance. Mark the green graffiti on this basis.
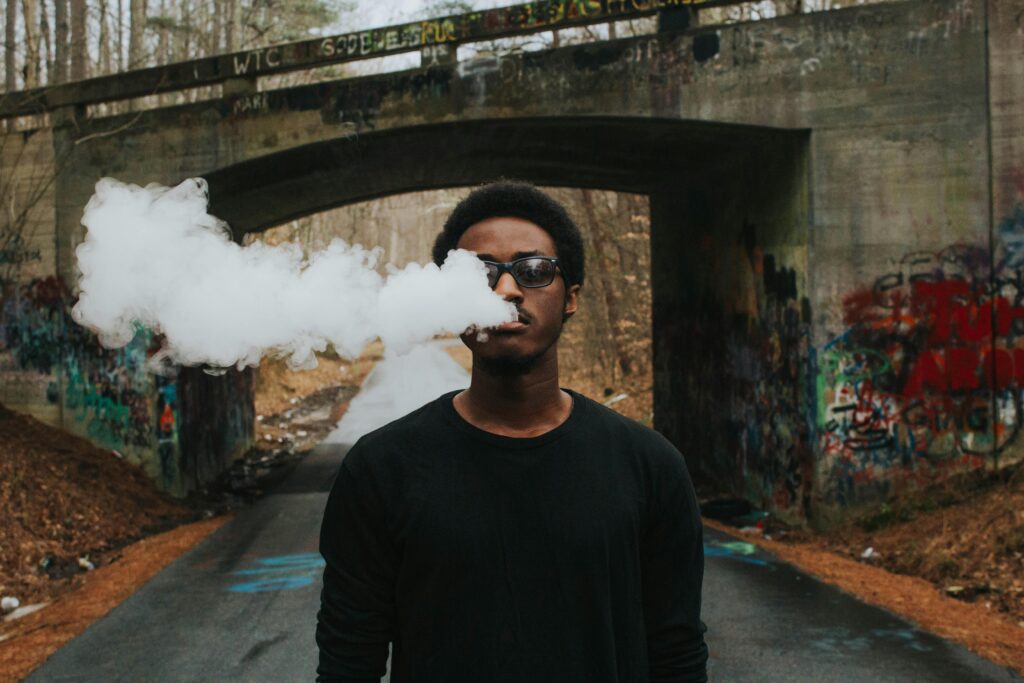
(738, 547)
(855, 365)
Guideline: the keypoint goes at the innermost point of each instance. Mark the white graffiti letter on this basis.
(242, 67)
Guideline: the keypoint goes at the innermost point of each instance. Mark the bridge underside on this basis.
(640, 155)
(716, 217)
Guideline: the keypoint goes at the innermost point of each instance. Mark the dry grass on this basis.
(966, 537)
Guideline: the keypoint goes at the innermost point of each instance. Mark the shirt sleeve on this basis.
(357, 607)
(672, 574)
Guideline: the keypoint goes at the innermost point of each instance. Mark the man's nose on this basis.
(508, 288)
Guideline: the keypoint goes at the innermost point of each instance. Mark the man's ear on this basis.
(571, 302)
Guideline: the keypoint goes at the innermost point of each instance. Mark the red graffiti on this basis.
(167, 420)
(965, 369)
(955, 311)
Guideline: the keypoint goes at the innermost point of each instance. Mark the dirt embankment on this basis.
(965, 537)
(68, 505)
(950, 559)
(83, 527)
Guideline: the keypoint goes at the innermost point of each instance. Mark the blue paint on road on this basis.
(734, 550)
(299, 571)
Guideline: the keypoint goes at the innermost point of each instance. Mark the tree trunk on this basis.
(218, 26)
(46, 40)
(231, 27)
(60, 49)
(10, 53)
(30, 15)
(204, 33)
(162, 42)
(79, 46)
(120, 35)
(178, 49)
(104, 40)
(137, 34)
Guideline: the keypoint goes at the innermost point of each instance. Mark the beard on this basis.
(513, 365)
(508, 366)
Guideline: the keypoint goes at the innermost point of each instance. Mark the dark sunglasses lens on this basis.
(534, 272)
(492, 274)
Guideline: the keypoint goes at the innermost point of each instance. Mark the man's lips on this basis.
(514, 325)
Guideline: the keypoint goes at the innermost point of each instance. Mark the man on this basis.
(515, 531)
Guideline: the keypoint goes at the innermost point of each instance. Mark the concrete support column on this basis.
(673, 344)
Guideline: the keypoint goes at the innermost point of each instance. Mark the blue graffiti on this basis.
(280, 573)
(1011, 234)
(734, 550)
(839, 640)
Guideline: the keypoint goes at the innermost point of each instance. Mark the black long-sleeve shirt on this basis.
(576, 555)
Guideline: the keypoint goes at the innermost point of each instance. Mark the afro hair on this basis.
(516, 199)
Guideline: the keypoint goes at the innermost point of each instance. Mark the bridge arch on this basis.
(626, 154)
(707, 189)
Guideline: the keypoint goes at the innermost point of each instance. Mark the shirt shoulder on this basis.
(390, 441)
(618, 426)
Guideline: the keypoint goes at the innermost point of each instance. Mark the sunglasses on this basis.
(529, 271)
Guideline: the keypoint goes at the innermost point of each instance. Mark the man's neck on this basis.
(521, 405)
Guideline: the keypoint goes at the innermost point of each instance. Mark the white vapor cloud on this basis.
(398, 385)
(153, 256)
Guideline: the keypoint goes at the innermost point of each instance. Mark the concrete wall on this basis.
(732, 323)
(823, 316)
(55, 370)
(27, 268)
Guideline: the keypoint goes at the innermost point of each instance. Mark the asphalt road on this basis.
(242, 605)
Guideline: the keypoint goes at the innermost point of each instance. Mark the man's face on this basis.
(541, 308)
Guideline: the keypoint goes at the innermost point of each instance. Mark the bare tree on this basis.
(46, 39)
(163, 34)
(31, 42)
(10, 47)
(136, 34)
(104, 39)
(79, 45)
(120, 35)
(217, 40)
(60, 49)
(232, 29)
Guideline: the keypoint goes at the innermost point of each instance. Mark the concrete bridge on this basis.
(837, 214)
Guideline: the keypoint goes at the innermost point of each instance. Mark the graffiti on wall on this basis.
(928, 376)
(766, 351)
(741, 352)
(107, 394)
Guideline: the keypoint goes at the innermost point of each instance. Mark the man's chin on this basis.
(506, 365)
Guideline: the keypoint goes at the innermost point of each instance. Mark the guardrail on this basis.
(543, 15)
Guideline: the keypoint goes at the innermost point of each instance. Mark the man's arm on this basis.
(356, 618)
(672, 576)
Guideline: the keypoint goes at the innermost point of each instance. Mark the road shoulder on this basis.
(989, 635)
(27, 642)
